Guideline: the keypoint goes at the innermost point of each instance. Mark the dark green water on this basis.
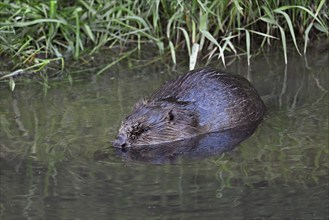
(48, 140)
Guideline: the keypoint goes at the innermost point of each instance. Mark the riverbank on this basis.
(37, 34)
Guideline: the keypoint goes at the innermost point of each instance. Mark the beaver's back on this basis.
(221, 100)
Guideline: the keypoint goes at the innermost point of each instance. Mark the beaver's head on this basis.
(157, 123)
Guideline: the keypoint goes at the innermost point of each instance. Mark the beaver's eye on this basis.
(146, 129)
(133, 137)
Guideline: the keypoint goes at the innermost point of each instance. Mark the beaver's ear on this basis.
(171, 115)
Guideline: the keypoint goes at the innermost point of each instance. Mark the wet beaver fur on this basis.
(199, 102)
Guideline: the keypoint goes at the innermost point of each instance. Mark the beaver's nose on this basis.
(120, 141)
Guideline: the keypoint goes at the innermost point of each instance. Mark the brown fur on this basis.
(198, 102)
(153, 123)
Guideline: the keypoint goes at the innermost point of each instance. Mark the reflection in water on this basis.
(198, 147)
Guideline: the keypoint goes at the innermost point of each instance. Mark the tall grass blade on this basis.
(320, 28)
(203, 22)
(230, 44)
(318, 9)
(139, 20)
(89, 33)
(187, 39)
(248, 46)
(306, 36)
(194, 56)
(309, 12)
(173, 18)
(263, 34)
(202, 5)
(214, 41)
(77, 32)
(172, 51)
(34, 22)
(269, 13)
(52, 8)
(238, 7)
(268, 20)
(193, 32)
(89, 7)
(284, 44)
(292, 33)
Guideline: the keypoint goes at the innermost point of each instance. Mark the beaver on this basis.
(198, 102)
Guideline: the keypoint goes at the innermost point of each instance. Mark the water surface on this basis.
(49, 138)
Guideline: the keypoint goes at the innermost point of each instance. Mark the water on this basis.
(50, 139)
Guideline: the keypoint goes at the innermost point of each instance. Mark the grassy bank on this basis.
(34, 33)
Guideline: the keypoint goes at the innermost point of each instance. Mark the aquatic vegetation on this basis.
(35, 33)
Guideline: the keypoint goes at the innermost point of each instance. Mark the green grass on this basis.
(34, 33)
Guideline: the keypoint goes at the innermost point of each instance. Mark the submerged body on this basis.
(199, 102)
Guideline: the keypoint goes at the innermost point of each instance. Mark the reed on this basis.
(35, 33)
